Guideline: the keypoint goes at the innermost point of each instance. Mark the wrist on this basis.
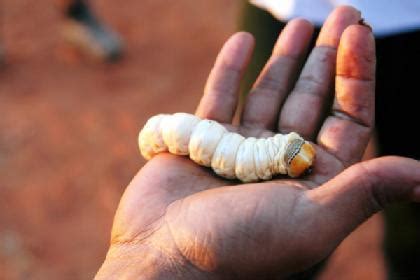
(128, 261)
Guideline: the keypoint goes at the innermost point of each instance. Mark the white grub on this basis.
(230, 155)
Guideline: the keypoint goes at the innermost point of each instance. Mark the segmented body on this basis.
(229, 154)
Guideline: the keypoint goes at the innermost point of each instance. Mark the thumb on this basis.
(366, 188)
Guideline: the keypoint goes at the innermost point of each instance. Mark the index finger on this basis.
(346, 132)
(220, 97)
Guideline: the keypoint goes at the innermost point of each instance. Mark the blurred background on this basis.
(69, 120)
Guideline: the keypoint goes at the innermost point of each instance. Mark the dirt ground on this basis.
(68, 128)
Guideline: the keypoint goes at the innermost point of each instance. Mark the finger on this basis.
(221, 91)
(278, 76)
(362, 190)
(347, 131)
(305, 107)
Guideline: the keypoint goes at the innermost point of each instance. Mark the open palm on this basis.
(189, 223)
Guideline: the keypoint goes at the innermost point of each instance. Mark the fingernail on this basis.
(362, 22)
(416, 194)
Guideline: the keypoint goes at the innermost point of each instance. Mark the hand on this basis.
(178, 220)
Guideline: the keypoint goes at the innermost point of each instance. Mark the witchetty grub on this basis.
(229, 154)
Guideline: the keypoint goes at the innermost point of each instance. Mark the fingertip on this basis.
(243, 35)
(294, 39)
(356, 33)
(356, 53)
(301, 23)
(347, 9)
(241, 39)
(396, 177)
(336, 23)
(237, 50)
(401, 167)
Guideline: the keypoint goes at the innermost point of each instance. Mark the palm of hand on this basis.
(227, 223)
(284, 225)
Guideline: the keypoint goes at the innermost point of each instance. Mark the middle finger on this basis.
(304, 108)
(263, 103)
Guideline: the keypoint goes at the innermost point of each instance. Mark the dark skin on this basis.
(177, 220)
